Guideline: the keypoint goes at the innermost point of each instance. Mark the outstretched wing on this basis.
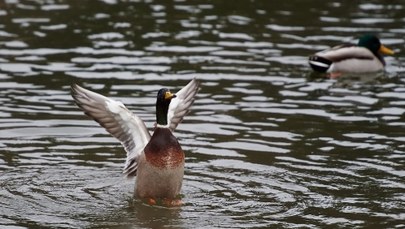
(180, 105)
(121, 123)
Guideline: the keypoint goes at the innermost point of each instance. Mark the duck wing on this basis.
(180, 105)
(121, 123)
(344, 52)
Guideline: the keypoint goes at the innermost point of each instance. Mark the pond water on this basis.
(268, 143)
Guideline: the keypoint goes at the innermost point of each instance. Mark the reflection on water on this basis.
(267, 143)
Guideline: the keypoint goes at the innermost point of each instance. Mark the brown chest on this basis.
(163, 150)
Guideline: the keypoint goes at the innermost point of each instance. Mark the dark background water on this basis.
(268, 143)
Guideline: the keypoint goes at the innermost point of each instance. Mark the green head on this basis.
(372, 43)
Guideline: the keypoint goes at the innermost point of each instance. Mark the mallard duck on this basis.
(158, 160)
(363, 57)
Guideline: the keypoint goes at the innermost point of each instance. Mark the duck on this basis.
(364, 57)
(157, 161)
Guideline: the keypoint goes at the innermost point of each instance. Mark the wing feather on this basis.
(180, 105)
(121, 123)
(344, 52)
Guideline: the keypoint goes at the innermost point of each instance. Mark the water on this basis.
(268, 143)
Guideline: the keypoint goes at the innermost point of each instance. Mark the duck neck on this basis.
(162, 108)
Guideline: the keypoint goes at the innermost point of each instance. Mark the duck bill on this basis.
(169, 95)
(385, 50)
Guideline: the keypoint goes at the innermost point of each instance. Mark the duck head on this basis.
(164, 97)
(372, 43)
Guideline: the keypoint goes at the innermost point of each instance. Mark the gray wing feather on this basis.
(344, 52)
(121, 123)
(180, 105)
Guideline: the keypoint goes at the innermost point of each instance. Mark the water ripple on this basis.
(267, 142)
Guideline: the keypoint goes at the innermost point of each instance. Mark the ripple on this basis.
(52, 7)
(284, 28)
(240, 36)
(30, 20)
(47, 195)
(372, 20)
(183, 49)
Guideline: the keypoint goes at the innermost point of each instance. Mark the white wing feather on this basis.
(180, 105)
(127, 127)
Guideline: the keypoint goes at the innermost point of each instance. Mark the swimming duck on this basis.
(158, 160)
(363, 57)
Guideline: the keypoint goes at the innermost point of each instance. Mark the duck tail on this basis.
(319, 64)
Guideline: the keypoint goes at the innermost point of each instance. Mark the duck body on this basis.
(158, 160)
(361, 58)
(161, 167)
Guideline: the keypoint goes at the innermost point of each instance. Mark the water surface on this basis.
(268, 143)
